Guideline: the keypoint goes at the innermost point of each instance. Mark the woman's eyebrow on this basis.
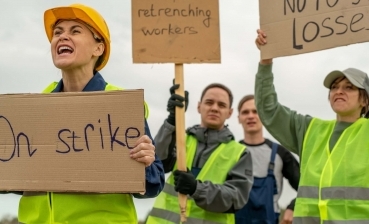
(72, 27)
(75, 26)
(58, 28)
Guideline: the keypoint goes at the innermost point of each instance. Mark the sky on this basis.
(26, 67)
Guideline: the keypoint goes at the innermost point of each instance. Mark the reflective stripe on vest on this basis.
(216, 168)
(108, 87)
(334, 187)
(75, 208)
(313, 220)
(347, 193)
(174, 217)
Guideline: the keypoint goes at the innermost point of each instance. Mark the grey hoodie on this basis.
(228, 197)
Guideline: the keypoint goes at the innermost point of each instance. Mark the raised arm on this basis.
(165, 139)
(287, 126)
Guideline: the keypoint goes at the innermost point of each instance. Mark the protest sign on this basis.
(301, 26)
(71, 142)
(182, 31)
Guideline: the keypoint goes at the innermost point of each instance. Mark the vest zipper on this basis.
(51, 207)
(206, 145)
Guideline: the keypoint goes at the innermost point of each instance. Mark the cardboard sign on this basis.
(179, 31)
(71, 142)
(300, 26)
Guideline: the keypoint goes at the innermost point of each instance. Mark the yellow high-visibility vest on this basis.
(334, 184)
(86, 208)
(166, 207)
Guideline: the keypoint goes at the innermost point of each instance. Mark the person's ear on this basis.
(230, 113)
(364, 101)
(99, 49)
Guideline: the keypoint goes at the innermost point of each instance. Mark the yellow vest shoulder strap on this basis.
(50, 87)
(108, 87)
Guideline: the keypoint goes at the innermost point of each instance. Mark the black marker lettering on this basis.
(355, 3)
(192, 29)
(330, 28)
(131, 136)
(317, 5)
(101, 137)
(300, 9)
(316, 33)
(167, 12)
(30, 152)
(361, 16)
(178, 30)
(206, 21)
(292, 7)
(157, 32)
(74, 136)
(86, 139)
(295, 46)
(59, 136)
(14, 142)
(183, 13)
(112, 136)
(341, 24)
(332, 5)
(170, 31)
(178, 12)
(152, 10)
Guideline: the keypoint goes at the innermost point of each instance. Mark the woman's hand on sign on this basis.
(144, 151)
(261, 40)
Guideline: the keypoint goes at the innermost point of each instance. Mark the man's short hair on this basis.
(244, 100)
(221, 86)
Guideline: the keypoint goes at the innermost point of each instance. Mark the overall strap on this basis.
(272, 156)
(271, 166)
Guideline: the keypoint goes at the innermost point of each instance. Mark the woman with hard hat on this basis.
(80, 47)
(334, 183)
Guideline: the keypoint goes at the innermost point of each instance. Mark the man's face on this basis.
(249, 119)
(214, 108)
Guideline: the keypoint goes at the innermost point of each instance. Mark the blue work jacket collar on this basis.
(97, 83)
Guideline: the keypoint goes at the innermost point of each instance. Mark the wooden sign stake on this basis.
(181, 137)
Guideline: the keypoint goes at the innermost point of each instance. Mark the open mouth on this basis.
(251, 123)
(339, 100)
(65, 50)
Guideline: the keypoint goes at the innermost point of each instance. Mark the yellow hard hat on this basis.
(84, 13)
